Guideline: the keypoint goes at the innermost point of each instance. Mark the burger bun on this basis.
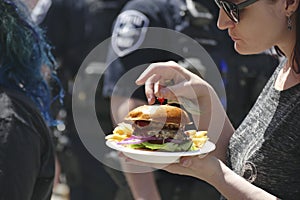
(159, 113)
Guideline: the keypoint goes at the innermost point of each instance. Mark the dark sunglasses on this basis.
(232, 9)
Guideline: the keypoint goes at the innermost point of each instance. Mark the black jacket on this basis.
(26, 153)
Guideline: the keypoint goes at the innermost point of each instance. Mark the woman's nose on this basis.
(224, 22)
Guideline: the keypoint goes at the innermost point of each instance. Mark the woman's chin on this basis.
(246, 51)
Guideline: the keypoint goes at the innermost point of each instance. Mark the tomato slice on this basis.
(161, 100)
(142, 123)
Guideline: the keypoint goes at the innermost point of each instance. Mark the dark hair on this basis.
(23, 51)
(296, 51)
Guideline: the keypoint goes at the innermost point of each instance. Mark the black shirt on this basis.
(136, 17)
(26, 151)
(265, 148)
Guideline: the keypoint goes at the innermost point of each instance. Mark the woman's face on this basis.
(262, 25)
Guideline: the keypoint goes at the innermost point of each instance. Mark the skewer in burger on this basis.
(156, 127)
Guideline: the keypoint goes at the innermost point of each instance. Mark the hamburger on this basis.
(156, 128)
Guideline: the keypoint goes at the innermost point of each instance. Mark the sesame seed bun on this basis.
(159, 113)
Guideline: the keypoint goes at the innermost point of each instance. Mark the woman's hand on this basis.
(171, 81)
(214, 172)
(204, 167)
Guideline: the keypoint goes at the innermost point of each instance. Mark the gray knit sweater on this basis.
(265, 149)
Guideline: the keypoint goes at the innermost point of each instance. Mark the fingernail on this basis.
(137, 81)
(186, 163)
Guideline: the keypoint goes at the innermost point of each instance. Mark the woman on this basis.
(26, 152)
(263, 154)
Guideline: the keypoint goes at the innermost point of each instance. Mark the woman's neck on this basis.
(287, 77)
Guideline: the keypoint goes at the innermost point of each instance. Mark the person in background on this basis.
(139, 14)
(75, 27)
(259, 160)
(27, 159)
(196, 19)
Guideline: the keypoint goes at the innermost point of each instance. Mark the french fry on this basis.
(198, 137)
(121, 132)
(200, 134)
(191, 133)
(116, 137)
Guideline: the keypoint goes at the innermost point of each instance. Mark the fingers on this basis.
(177, 90)
(147, 74)
(155, 87)
(168, 69)
(192, 161)
(157, 78)
(150, 87)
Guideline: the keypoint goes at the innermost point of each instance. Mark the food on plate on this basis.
(121, 132)
(158, 128)
(198, 137)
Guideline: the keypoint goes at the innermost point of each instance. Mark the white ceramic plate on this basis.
(159, 157)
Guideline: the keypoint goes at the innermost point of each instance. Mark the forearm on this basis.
(214, 119)
(235, 187)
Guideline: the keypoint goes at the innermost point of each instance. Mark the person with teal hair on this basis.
(27, 161)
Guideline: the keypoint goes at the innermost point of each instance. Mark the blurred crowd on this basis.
(75, 27)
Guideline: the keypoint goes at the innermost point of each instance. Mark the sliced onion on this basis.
(131, 141)
(137, 139)
(134, 139)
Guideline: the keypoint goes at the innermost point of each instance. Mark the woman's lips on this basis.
(233, 37)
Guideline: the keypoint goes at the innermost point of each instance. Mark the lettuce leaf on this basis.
(169, 146)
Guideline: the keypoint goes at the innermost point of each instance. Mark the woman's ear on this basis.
(291, 6)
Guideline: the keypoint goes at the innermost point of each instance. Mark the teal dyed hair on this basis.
(23, 52)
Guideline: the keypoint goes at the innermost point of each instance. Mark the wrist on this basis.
(205, 106)
(219, 175)
(216, 171)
